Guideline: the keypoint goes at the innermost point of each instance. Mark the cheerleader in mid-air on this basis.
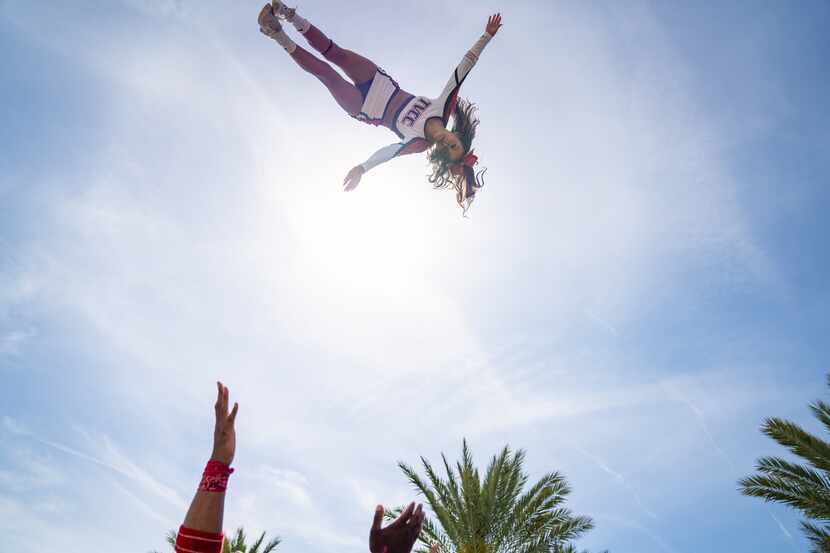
(375, 98)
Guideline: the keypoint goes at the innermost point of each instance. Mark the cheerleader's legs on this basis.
(358, 68)
(345, 94)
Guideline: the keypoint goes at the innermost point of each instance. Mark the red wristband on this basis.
(215, 477)
(195, 541)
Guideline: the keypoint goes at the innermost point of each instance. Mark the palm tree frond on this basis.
(803, 487)
(819, 537)
(493, 515)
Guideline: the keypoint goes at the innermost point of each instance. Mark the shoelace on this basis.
(281, 10)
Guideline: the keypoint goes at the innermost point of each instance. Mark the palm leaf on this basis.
(819, 537)
(799, 442)
(805, 487)
(492, 515)
(257, 544)
(271, 545)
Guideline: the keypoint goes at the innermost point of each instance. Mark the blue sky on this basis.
(641, 282)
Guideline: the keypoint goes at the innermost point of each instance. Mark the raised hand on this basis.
(353, 178)
(493, 24)
(400, 535)
(224, 434)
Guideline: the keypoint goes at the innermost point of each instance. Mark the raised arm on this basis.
(471, 57)
(202, 528)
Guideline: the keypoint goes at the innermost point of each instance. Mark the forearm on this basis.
(472, 55)
(381, 156)
(201, 531)
(479, 46)
(206, 512)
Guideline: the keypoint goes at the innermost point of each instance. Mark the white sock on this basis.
(301, 24)
(285, 41)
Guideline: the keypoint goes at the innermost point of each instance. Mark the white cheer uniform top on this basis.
(414, 114)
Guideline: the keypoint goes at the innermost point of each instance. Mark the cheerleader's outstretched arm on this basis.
(471, 57)
(381, 156)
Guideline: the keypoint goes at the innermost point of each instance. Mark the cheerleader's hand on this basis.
(493, 24)
(353, 178)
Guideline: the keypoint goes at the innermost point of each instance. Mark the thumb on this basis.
(378, 518)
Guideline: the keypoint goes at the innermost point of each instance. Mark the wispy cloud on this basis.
(140, 503)
(159, 7)
(110, 458)
(29, 471)
(782, 527)
(619, 479)
(14, 427)
(293, 484)
(674, 392)
(650, 534)
(602, 323)
(672, 389)
(12, 342)
(285, 496)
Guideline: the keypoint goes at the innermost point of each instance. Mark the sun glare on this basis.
(363, 246)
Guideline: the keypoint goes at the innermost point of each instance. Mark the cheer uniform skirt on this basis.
(377, 94)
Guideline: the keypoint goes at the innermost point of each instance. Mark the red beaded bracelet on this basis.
(215, 477)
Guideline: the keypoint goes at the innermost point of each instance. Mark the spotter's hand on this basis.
(224, 434)
(400, 535)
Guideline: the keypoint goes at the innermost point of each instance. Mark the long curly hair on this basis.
(445, 172)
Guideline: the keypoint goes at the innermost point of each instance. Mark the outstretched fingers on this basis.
(417, 515)
(404, 516)
(224, 435)
(223, 417)
(494, 23)
(378, 518)
(234, 411)
(220, 398)
(417, 521)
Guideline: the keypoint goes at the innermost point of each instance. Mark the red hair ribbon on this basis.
(469, 160)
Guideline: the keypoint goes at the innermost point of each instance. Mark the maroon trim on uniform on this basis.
(449, 105)
(364, 92)
(452, 99)
(364, 118)
(391, 96)
(405, 103)
(331, 43)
